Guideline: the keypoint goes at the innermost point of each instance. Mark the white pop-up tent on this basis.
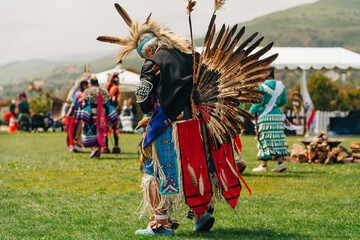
(128, 80)
(306, 58)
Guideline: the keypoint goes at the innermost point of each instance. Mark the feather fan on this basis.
(228, 73)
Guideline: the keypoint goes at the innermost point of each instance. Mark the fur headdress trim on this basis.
(161, 31)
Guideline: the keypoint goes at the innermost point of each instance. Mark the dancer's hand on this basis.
(143, 123)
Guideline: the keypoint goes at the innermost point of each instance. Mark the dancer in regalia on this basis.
(95, 113)
(270, 125)
(72, 126)
(114, 93)
(193, 99)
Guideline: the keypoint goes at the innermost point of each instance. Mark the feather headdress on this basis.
(161, 31)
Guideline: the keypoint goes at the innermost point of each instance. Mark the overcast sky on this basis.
(47, 28)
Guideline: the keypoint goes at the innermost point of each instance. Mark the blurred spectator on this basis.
(128, 115)
(24, 112)
(353, 112)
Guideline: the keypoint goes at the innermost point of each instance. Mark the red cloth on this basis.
(101, 121)
(226, 176)
(70, 127)
(193, 153)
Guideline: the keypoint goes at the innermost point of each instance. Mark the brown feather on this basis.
(210, 27)
(109, 39)
(246, 42)
(148, 19)
(190, 6)
(255, 81)
(257, 55)
(124, 15)
(192, 176)
(255, 45)
(260, 73)
(216, 44)
(218, 4)
(259, 64)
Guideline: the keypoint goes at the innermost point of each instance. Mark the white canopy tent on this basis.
(306, 58)
(128, 80)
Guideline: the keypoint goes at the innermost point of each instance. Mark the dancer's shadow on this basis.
(122, 156)
(235, 233)
(287, 174)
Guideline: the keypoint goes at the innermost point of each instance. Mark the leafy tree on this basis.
(324, 93)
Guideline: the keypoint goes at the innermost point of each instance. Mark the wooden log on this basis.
(335, 151)
(313, 144)
(355, 145)
(339, 158)
(356, 160)
(356, 155)
(318, 161)
(356, 150)
(303, 158)
(344, 149)
(344, 153)
(348, 160)
(311, 155)
(330, 159)
(321, 155)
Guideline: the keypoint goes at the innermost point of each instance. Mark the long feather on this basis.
(237, 174)
(148, 19)
(258, 54)
(225, 181)
(255, 45)
(109, 39)
(246, 42)
(210, 27)
(201, 183)
(259, 64)
(124, 15)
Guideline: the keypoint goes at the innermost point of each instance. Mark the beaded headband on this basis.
(141, 45)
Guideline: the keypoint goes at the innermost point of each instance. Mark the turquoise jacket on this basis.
(280, 101)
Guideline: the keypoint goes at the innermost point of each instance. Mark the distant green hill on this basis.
(23, 70)
(326, 23)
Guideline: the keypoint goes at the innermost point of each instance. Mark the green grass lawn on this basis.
(48, 192)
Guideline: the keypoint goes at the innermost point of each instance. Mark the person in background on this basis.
(24, 112)
(127, 115)
(115, 94)
(73, 127)
(270, 125)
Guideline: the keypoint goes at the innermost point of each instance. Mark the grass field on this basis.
(47, 192)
